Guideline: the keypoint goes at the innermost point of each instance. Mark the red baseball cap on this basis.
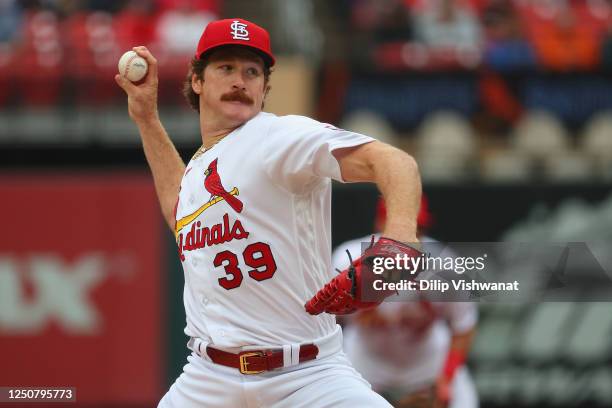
(236, 31)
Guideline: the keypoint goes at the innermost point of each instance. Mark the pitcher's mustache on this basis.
(237, 95)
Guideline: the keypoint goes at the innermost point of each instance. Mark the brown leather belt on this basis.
(258, 361)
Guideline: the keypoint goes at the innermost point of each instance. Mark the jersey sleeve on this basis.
(461, 316)
(298, 151)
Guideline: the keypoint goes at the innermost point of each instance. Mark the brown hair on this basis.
(197, 67)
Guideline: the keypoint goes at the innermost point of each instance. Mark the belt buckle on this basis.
(243, 363)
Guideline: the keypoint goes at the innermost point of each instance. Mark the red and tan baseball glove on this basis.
(352, 289)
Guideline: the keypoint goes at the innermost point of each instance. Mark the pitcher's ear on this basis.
(196, 84)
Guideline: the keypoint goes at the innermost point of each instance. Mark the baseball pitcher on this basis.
(251, 217)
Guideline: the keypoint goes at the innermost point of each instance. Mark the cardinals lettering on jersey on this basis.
(199, 237)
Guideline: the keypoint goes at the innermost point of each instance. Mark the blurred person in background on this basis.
(385, 21)
(295, 29)
(506, 47)
(506, 50)
(180, 24)
(375, 23)
(412, 350)
(563, 34)
(136, 23)
(448, 25)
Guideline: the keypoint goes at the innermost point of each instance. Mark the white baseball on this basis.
(132, 66)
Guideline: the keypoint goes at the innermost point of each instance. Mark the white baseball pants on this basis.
(330, 381)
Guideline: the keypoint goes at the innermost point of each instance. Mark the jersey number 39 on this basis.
(257, 255)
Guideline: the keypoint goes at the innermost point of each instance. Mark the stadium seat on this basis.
(443, 167)
(596, 142)
(371, 124)
(568, 167)
(540, 134)
(445, 146)
(446, 132)
(506, 166)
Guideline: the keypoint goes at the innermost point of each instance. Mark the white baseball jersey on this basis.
(254, 231)
(402, 344)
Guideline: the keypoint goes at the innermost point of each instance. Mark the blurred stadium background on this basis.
(506, 104)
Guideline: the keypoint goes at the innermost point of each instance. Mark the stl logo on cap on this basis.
(239, 31)
(235, 31)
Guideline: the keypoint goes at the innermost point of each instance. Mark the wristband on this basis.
(454, 360)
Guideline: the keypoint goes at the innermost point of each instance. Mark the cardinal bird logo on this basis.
(213, 185)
